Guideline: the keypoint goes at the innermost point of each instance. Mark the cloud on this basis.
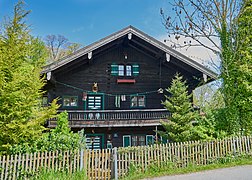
(197, 53)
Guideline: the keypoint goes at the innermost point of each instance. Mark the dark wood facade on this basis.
(129, 68)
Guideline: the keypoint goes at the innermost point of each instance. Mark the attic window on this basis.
(124, 70)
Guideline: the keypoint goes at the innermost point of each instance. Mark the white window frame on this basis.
(121, 70)
(128, 70)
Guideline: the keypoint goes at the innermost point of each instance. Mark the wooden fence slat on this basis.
(2, 159)
(30, 162)
(10, 167)
(14, 174)
(6, 167)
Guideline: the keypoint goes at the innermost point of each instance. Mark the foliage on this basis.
(59, 175)
(206, 23)
(61, 138)
(243, 84)
(21, 59)
(179, 127)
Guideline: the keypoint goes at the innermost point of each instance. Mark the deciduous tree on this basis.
(59, 46)
(213, 24)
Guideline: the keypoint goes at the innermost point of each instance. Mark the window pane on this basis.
(134, 140)
(70, 101)
(44, 100)
(128, 70)
(134, 101)
(141, 101)
(141, 140)
(121, 70)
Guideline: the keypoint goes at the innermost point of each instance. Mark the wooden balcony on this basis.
(114, 118)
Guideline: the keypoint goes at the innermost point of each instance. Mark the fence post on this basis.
(81, 159)
(114, 167)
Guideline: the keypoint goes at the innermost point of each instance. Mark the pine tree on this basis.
(179, 127)
(21, 59)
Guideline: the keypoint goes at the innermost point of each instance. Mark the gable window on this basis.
(120, 70)
(128, 70)
(124, 70)
(137, 101)
(70, 101)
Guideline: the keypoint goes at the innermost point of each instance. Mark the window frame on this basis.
(124, 70)
(44, 101)
(121, 70)
(137, 101)
(138, 142)
(63, 101)
(128, 72)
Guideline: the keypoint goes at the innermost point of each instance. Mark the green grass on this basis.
(51, 175)
(170, 169)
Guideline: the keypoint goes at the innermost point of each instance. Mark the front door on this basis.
(95, 101)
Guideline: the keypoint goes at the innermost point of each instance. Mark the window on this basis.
(44, 101)
(124, 70)
(120, 70)
(138, 140)
(70, 101)
(137, 101)
(128, 70)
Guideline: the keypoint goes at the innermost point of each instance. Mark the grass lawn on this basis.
(169, 169)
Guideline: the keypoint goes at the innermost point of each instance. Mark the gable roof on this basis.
(129, 30)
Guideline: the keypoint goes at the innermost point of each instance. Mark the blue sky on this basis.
(86, 21)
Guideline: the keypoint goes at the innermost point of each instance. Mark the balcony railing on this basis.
(113, 117)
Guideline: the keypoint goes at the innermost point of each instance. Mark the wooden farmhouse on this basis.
(114, 87)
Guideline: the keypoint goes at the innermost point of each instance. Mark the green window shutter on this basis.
(135, 69)
(114, 69)
(126, 141)
(149, 139)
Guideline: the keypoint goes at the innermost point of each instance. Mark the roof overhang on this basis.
(129, 31)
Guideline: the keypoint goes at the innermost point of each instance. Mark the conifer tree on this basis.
(179, 126)
(21, 59)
